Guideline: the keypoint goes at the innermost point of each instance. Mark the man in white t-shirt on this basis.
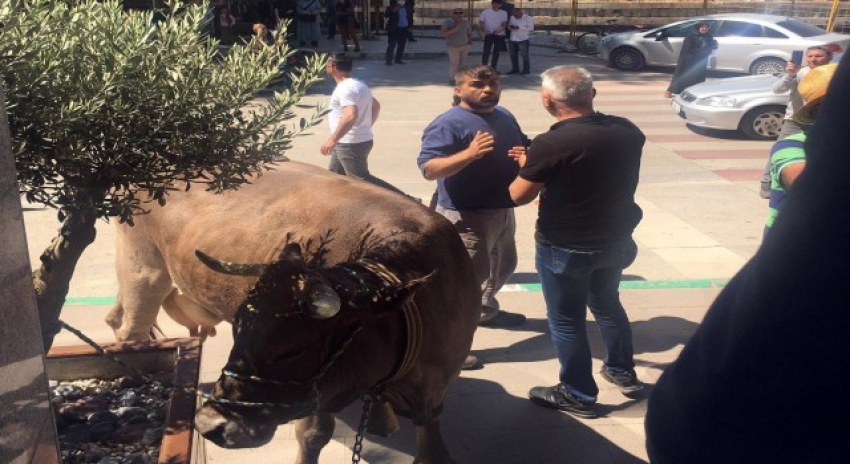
(520, 26)
(353, 111)
(494, 22)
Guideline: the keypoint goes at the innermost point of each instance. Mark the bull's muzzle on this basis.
(230, 430)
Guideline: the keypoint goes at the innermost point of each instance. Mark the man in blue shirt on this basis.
(467, 150)
(398, 27)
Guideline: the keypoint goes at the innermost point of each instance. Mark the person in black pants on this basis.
(493, 21)
(397, 30)
(409, 5)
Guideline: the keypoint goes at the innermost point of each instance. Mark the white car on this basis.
(747, 43)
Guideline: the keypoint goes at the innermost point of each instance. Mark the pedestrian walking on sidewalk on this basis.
(520, 25)
(308, 22)
(493, 22)
(692, 63)
(587, 167)
(353, 111)
(458, 34)
(397, 29)
(346, 24)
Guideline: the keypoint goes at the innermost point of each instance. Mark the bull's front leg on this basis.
(431, 449)
(313, 433)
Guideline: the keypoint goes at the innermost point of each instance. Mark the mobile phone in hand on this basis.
(797, 57)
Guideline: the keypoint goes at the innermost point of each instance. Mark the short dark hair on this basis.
(342, 61)
(827, 51)
(480, 71)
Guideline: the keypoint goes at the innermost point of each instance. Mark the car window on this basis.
(773, 33)
(679, 30)
(800, 28)
(738, 29)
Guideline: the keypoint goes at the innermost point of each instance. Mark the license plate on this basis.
(676, 106)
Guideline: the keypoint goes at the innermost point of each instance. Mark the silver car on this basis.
(747, 43)
(746, 104)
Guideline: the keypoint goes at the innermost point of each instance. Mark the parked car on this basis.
(746, 104)
(747, 43)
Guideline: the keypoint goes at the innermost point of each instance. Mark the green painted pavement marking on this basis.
(516, 288)
(638, 285)
(90, 301)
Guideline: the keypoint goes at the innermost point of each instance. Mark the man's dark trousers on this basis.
(495, 43)
(396, 40)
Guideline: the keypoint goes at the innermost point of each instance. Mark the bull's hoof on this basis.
(472, 363)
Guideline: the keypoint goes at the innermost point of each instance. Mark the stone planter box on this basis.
(181, 444)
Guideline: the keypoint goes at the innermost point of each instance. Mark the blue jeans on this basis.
(350, 159)
(517, 50)
(572, 280)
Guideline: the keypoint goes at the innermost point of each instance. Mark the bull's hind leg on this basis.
(313, 433)
(431, 449)
(143, 283)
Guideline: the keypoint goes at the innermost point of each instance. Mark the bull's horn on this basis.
(325, 302)
(225, 267)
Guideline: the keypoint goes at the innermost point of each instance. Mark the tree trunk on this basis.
(53, 278)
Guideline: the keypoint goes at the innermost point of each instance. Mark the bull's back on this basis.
(334, 216)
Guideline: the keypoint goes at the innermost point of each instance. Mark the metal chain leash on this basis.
(361, 429)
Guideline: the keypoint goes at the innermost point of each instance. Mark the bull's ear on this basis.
(291, 252)
(405, 291)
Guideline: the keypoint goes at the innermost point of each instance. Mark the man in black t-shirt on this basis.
(586, 170)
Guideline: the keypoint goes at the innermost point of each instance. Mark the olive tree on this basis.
(109, 108)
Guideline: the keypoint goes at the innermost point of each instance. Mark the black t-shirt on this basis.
(590, 167)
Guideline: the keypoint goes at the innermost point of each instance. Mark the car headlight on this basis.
(606, 39)
(725, 102)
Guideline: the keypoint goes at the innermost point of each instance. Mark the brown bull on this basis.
(382, 300)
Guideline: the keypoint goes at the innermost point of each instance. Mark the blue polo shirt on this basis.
(483, 183)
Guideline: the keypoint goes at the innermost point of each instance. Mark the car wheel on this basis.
(587, 43)
(763, 123)
(768, 66)
(627, 59)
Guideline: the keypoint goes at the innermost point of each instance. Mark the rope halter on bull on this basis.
(358, 271)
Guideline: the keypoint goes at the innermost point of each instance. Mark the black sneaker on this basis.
(499, 318)
(558, 398)
(627, 382)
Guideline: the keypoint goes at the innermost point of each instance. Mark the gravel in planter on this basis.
(118, 421)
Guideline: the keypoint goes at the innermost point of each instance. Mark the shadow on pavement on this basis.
(486, 424)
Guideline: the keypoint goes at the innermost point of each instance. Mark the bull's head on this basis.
(287, 335)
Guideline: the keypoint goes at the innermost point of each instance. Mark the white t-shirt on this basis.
(492, 19)
(525, 24)
(352, 92)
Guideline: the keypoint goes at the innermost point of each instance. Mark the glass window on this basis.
(773, 33)
(679, 30)
(800, 28)
(739, 29)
